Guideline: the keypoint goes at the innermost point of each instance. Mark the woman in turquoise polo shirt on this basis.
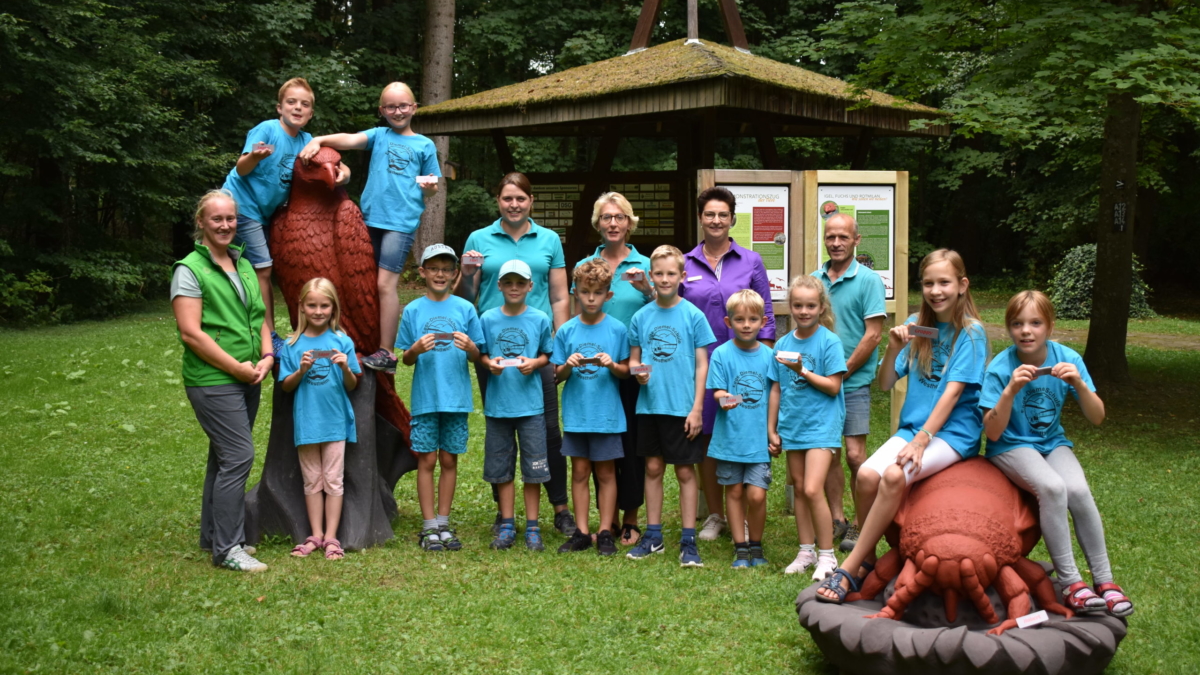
(514, 236)
(227, 354)
(613, 218)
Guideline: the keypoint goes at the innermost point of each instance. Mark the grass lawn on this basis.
(101, 489)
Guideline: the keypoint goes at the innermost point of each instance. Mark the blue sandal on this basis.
(833, 582)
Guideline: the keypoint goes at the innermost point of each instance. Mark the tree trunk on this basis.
(1105, 355)
(437, 76)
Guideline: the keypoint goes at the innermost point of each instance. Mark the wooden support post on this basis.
(581, 219)
(503, 153)
(766, 147)
(706, 144)
(733, 24)
(693, 20)
(862, 149)
(645, 25)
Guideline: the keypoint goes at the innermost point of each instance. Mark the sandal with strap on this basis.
(1082, 600)
(833, 582)
(626, 531)
(1114, 598)
(333, 550)
(311, 544)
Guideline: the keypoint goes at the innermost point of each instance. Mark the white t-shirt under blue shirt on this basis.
(261, 191)
(669, 339)
(511, 394)
(740, 434)
(392, 200)
(322, 411)
(808, 417)
(441, 379)
(962, 360)
(1036, 419)
(591, 401)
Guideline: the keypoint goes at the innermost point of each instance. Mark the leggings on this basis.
(1058, 482)
(630, 469)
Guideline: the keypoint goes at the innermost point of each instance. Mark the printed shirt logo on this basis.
(512, 342)
(941, 353)
(810, 364)
(399, 156)
(588, 371)
(752, 387)
(664, 340)
(318, 374)
(286, 163)
(441, 324)
(1041, 408)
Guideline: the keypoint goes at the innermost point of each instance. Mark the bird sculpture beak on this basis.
(329, 175)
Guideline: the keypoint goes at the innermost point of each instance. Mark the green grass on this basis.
(992, 303)
(103, 467)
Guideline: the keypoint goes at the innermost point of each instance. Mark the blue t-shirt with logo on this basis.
(539, 248)
(856, 296)
(441, 380)
(591, 402)
(740, 434)
(626, 299)
(392, 200)
(1036, 419)
(808, 417)
(511, 394)
(669, 339)
(954, 360)
(261, 191)
(322, 410)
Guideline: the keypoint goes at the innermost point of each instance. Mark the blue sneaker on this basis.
(645, 547)
(741, 560)
(277, 344)
(757, 559)
(505, 537)
(688, 555)
(533, 539)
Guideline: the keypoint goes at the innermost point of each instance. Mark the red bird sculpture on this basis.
(321, 233)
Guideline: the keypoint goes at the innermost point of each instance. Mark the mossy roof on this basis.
(663, 65)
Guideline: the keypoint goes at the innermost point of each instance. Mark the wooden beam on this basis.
(504, 154)
(733, 24)
(693, 20)
(581, 219)
(766, 147)
(706, 132)
(645, 25)
(862, 149)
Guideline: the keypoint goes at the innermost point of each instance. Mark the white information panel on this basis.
(874, 208)
(762, 217)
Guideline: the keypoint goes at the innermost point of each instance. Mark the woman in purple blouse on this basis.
(713, 271)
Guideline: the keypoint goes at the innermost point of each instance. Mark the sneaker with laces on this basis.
(533, 539)
(239, 561)
(605, 544)
(804, 560)
(713, 525)
(449, 540)
(496, 524)
(839, 528)
(741, 559)
(564, 522)
(689, 555)
(578, 542)
(850, 539)
(430, 540)
(504, 538)
(381, 360)
(757, 558)
(645, 547)
(826, 564)
(278, 344)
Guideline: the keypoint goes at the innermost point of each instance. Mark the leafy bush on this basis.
(1071, 288)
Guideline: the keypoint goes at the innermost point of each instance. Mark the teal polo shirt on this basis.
(626, 299)
(539, 248)
(857, 295)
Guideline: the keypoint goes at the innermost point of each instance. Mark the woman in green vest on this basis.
(227, 354)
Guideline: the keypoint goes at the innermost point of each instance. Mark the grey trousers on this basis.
(226, 412)
(1058, 482)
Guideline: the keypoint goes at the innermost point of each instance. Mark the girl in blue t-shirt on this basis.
(809, 366)
(940, 423)
(318, 363)
(1026, 441)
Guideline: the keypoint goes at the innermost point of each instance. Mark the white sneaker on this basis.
(804, 560)
(713, 525)
(826, 564)
(239, 561)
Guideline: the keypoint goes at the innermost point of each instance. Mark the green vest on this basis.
(236, 327)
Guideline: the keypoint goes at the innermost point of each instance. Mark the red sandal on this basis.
(333, 550)
(311, 544)
(1114, 598)
(1080, 598)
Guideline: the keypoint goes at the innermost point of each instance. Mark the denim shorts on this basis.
(254, 235)
(439, 431)
(594, 446)
(757, 474)
(500, 449)
(391, 248)
(858, 412)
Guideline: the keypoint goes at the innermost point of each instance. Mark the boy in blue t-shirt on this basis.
(262, 179)
(518, 340)
(592, 352)
(741, 376)
(439, 334)
(404, 172)
(670, 336)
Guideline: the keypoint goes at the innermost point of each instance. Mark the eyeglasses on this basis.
(403, 107)
(711, 216)
(618, 218)
(440, 270)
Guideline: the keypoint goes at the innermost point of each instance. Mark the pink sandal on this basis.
(1080, 598)
(311, 544)
(333, 550)
(1114, 598)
